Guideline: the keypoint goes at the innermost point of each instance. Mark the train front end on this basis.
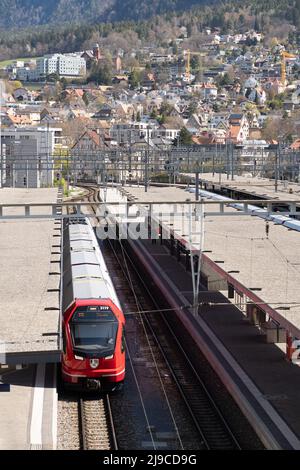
(93, 346)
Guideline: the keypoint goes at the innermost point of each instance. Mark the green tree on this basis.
(134, 78)
(192, 108)
(196, 63)
(64, 83)
(242, 20)
(224, 80)
(189, 30)
(257, 26)
(166, 109)
(296, 14)
(101, 73)
(162, 119)
(185, 138)
(153, 114)
(174, 47)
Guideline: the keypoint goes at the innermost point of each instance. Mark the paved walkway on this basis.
(29, 281)
(28, 411)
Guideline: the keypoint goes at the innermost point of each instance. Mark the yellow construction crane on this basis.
(285, 55)
(188, 55)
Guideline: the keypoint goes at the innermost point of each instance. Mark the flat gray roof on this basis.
(29, 281)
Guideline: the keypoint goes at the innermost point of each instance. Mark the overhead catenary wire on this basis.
(138, 385)
(274, 305)
(284, 258)
(129, 278)
(141, 396)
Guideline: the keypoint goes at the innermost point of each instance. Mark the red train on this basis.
(93, 322)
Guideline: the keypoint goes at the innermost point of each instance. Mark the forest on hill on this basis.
(25, 13)
(280, 18)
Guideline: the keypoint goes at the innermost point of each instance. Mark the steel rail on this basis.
(184, 394)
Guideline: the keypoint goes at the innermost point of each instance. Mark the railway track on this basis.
(96, 424)
(212, 426)
(90, 424)
(89, 194)
(214, 430)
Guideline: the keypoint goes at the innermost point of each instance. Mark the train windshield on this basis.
(94, 331)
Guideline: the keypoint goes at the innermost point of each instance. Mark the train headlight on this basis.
(107, 358)
(94, 363)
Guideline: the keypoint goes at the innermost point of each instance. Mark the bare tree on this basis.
(73, 130)
(277, 128)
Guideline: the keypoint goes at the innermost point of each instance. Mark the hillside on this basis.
(25, 13)
(43, 33)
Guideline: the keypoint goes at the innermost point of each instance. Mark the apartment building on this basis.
(127, 133)
(64, 65)
(26, 156)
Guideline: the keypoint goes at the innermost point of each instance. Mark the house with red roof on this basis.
(91, 141)
(239, 128)
(295, 145)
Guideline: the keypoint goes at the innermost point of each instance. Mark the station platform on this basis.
(257, 373)
(249, 187)
(29, 281)
(28, 408)
(237, 250)
(264, 384)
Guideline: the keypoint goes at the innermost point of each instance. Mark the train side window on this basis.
(123, 343)
(64, 342)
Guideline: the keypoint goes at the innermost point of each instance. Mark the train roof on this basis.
(88, 288)
(84, 257)
(79, 231)
(86, 274)
(82, 245)
(87, 271)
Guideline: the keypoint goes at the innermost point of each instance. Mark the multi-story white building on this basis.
(64, 65)
(167, 132)
(26, 156)
(127, 133)
(67, 65)
(253, 157)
